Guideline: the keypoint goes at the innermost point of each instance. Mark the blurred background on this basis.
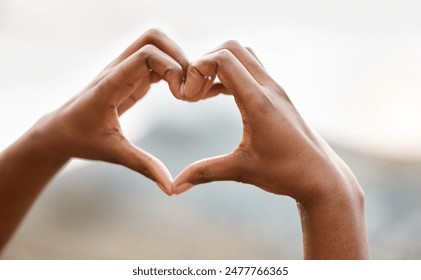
(353, 69)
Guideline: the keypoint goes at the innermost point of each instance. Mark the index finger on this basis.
(248, 58)
(159, 39)
(120, 82)
(230, 71)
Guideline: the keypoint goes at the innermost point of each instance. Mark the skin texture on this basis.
(278, 153)
(88, 127)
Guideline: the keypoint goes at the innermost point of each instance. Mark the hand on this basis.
(279, 153)
(88, 125)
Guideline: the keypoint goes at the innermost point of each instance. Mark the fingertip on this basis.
(193, 83)
(182, 188)
(166, 190)
(146, 164)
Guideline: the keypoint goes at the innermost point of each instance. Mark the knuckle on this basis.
(173, 70)
(146, 50)
(232, 45)
(194, 70)
(250, 49)
(154, 34)
(224, 56)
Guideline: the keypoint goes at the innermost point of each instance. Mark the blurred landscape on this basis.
(103, 211)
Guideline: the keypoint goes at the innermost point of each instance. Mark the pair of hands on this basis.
(278, 151)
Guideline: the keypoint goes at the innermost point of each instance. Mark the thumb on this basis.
(221, 168)
(145, 163)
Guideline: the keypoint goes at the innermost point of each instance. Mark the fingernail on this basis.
(183, 187)
(164, 189)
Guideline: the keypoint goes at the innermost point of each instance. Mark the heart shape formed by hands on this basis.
(278, 151)
(277, 146)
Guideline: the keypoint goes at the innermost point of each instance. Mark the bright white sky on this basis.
(353, 69)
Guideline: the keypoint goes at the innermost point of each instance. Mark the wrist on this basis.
(335, 199)
(330, 182)
(42, 140)
(333, 220)
(335, 229)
